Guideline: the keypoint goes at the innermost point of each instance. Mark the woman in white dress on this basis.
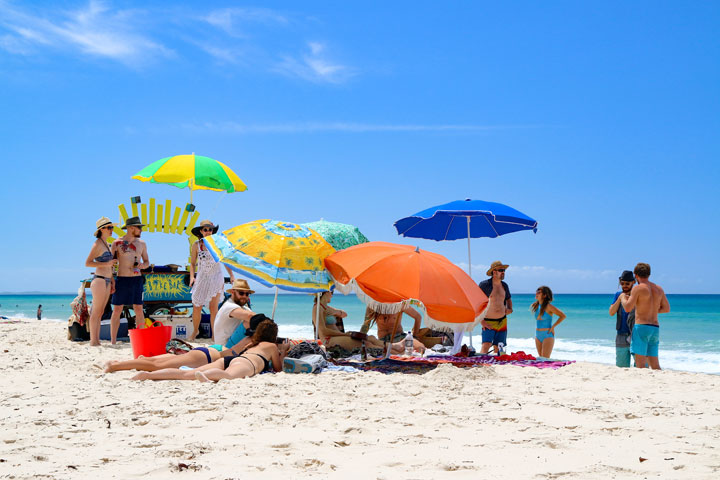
(207, 280)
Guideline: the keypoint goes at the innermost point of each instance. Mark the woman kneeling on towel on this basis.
(331, 336)
(262, 355)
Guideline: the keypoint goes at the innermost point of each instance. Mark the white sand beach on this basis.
(62, 417)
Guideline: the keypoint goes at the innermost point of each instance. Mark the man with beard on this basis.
(494, 325)
(132, 256)
(624, 322)
(232, 322)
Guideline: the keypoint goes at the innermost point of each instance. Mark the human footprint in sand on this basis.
(545, 331)
(262, 355)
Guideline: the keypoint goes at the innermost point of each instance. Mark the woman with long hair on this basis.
(543, 310)
(207, 281)
(103, 283)
(263, 354)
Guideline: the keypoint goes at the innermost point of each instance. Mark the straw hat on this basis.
(205, 223)
(494, 266)
(240, 284)
(133, 222)
(103, 222)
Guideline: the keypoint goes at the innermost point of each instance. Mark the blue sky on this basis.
(598, 119)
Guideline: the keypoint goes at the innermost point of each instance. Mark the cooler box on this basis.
(182, 325)
(122, 331)
(205, 330)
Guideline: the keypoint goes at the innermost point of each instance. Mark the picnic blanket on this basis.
(419, 365)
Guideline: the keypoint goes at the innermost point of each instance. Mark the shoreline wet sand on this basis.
(64, 418)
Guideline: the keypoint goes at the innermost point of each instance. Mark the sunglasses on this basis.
(109, 227)
(207, 229)
(626, 283)
(501, 270)
(243, 294)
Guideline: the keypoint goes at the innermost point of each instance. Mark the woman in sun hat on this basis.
(102, 284)
(207, 281)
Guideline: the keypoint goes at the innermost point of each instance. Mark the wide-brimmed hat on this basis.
(103, 222)
(627, 276)
(240, 284)
(133, 222)
(205, 223)
(494, 266)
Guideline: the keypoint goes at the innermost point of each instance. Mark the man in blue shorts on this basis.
(648, 299)
(624, 321)
(494, 325)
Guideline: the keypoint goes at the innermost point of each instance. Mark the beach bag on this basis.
(177, 346)
(77, 332)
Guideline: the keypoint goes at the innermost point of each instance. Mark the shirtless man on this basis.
(132, 256)
(494, 324)
(648, 300)
(389, 326)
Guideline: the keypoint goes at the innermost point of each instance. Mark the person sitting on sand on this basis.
(545, 331)
(233, 317)
(331, 336)
(389, 326)
(262, 355)
(197, 357)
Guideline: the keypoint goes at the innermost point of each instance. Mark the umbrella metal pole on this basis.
(274, 303)
(317, 316)
(469, 266)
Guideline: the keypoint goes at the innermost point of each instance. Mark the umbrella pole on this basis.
(317, 315)
(469, 267)
(274, 303)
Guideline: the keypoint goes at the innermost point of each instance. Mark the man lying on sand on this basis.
(263, 355)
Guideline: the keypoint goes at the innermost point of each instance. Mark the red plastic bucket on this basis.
(150, 341)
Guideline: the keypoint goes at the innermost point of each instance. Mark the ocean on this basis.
(689, 334)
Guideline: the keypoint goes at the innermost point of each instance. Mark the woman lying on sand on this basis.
(331, 336)
(197, 357)
(262, 355)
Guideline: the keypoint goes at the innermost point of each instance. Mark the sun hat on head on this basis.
(494, 266)
(240, 284)
(205, 223)
(133, 222)
(103, 222)
(627, 276)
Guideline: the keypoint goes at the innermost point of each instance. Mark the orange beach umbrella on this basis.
(387, 277)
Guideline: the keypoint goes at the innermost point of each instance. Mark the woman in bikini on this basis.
(207, 281)
(331, 336)
(102, 284)
(262, 355)
(543, 311)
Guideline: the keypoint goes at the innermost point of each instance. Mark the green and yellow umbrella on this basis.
(192, 171)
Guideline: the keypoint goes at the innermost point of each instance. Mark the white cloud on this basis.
(315, 66)
(231, 20)
(95, 30)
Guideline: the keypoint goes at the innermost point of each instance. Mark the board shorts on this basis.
(128, 291)
(495, 335)
(645, 340)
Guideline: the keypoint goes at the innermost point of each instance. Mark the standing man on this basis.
(648, 300)
(132, 256)
(625, 320)
(494, 325)
(39, 312)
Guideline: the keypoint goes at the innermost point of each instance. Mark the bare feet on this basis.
(201, 377)
(93, 344)
(141, 376)
(110, 366)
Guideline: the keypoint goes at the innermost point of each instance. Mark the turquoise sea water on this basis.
(689, 334)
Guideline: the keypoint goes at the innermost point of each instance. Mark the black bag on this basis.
(78, 333)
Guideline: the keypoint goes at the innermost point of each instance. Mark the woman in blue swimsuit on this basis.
(543, 311)
(102, 284)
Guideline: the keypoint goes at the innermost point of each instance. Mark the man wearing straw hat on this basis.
(233, 318)
(494, 325)
(132, 256)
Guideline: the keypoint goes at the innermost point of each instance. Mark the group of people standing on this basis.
(118, 275)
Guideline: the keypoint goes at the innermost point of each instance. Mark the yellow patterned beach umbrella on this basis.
(275, 253)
